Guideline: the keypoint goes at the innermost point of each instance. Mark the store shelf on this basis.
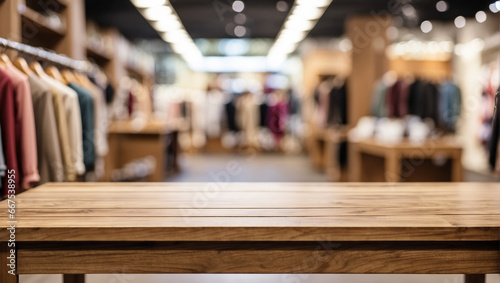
(100, 56)
(138, 74)
(36, 22)
(54, 5)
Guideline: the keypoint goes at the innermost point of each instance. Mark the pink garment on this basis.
(277, 118)
(25, 128)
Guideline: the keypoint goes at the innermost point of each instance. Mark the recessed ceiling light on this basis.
(238, 6)
(442, 6)
(481, 17)
(282, 6)
(426, 26)
(493, 8)
(460, 22)
(148, 3)
(409, 10)
(240, 31)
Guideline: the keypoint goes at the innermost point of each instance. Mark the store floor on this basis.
(258, 168)
(251, 168)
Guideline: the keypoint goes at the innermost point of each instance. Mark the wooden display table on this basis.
(371, 160)
(323, 147)
(129, 141)
(144, 228)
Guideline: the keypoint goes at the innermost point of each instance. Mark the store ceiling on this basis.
(215, 18)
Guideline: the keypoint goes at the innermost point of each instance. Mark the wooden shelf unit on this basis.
(101, 57)
(23, 21)
(33, 19)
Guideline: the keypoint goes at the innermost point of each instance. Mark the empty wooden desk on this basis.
(87, 228)
(374, 161)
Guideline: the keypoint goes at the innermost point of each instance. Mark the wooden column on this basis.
(115, 69)
(10, 20)
(369, 63)
(73, 44)
(10, 23)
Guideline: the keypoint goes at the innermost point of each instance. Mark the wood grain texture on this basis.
(5, 277)
(258, 212)
(405, 160)
(265, 257)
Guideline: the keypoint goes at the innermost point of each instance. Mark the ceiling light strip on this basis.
(301, 20)
(163, 18)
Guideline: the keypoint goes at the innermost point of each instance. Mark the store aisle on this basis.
(249, 168)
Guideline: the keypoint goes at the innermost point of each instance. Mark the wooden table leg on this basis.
(74, 278)
(355, 163)
(331, 159)
(475, 278)
(5, 276)
(393, 166)
(457, 169)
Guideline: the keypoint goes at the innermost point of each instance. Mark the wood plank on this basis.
(242, 203)
(276, 212)
(5, 276)
(266, 211)
(251, 257)
(258, 234)
(189, 221)
(236, 186)
(270, 193)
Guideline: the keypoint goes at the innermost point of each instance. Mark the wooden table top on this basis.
(145, 127)
(256, 212)
(438, 144)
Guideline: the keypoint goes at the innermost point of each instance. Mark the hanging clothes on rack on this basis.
(450, 102)
(66, 123)
(337, 103)
(8, 125)
(3, 167)
(247, 118)
(88, 125)
(49, 153)
(25, 129)
(439, 103)
(278, 115)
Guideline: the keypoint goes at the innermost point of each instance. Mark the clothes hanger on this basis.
(37, 68)
(82, 79)
(54, 73)
(21, 64)
(5, 59)
(69, 76)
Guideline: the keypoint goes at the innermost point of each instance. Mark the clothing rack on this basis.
(64, 61)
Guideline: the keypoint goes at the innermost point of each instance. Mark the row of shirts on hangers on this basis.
(397, 98)
(215, 114)
(53, 123)
(330, 99)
